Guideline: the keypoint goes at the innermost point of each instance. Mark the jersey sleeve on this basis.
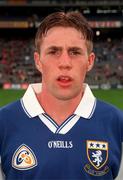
(2, 131)
(2, 177)
(120, 117)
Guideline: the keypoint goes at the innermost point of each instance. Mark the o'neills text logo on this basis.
(60, 144)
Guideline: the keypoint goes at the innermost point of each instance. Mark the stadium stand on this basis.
(23, 16)
(109, 63)
(17, 65)
(16, 61)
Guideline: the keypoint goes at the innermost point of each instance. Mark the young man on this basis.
(59, 130)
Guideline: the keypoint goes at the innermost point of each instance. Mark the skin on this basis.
(63, 62)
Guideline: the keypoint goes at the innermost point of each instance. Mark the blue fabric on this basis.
(61, 156)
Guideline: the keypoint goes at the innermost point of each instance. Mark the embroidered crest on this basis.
(97, 153)
(24, 158)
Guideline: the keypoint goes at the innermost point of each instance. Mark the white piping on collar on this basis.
(32, 107)
(63, 128)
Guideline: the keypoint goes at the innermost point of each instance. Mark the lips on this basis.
(64, 80)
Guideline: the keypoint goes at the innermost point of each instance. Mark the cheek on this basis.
(47, 71)
(80, 72)
(45, 67)
(82, 68)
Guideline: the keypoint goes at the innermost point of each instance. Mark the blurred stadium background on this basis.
(19, 20)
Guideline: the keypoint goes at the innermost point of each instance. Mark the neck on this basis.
(59, 110)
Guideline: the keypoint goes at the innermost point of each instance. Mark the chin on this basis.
(66, 97)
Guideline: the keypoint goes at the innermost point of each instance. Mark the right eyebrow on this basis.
(55, 48)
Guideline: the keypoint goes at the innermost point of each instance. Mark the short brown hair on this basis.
(69, 19)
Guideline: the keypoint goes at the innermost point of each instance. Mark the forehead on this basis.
(63, 35)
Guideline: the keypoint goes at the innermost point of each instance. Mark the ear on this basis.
(37, 61)
(91, 59)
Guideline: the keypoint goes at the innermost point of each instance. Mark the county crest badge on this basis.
(97, 153)
(24, 158)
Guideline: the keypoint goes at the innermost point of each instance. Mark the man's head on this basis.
(61, 19)
(64, 54)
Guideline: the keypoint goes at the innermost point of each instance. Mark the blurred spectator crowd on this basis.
(17, 63)
(109, 63)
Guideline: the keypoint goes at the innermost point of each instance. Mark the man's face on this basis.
(63, 62)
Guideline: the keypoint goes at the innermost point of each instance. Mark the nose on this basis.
(65, 62)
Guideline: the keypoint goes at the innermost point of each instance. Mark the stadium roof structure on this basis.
(90, 3)
(28, 13)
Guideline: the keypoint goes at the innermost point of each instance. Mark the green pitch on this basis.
(7, 96)
(112, 96)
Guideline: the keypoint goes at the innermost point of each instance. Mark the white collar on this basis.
(32, 107)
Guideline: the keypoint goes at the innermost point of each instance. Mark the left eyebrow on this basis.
(75, 49)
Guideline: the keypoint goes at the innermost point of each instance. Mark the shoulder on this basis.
(107, 109)
(107, 106)
(109, 117)
(8, 115)
(10, 109)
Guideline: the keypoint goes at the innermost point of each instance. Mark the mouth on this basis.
(64, 80)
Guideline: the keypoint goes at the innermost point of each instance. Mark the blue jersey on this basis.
(87, 145)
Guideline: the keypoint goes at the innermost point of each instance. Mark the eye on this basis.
(54, 52)
(75, 53)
